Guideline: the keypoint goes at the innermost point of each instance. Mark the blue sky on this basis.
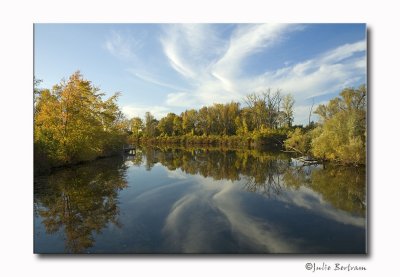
(165, 68)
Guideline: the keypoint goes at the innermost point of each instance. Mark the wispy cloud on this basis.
(324, 74)
(213, 66)
(222, 78)
(191, 48)
(122, 46)
(245, 41)
(134, 111)
(180, 99)
(151, 79)
(210, 61)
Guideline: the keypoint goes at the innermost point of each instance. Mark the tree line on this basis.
(265, 119)
(73, 123)
(266, 110)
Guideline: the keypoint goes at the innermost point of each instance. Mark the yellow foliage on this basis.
(73, 123)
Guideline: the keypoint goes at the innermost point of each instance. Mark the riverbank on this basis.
(44, 170)
(248, 141)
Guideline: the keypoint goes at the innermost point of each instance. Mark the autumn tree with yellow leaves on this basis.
(72, 123)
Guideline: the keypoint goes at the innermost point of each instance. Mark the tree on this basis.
(136, 126)
(231, 111)
(177, 126)
(189, 121)
(287, 110)
(36, 91)
(342, 134)
(150, 125)
(73, 123)
(166, 124)
(265, 108)
(299, 141)
(204, 121)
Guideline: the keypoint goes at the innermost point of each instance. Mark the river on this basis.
(177, 200)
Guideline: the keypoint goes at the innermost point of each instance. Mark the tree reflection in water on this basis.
(267, 173)
(80, 201)
(343, 187)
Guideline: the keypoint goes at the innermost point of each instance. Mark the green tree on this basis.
(72, 123)
(166, 124)
(265, 108)
(150, 125)
(136, 126)
(287, 110)
(177, 126)
(342, 134)
(299, 141)
(189, 121)
(204, 121)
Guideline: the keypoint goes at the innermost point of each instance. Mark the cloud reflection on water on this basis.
(213, 213)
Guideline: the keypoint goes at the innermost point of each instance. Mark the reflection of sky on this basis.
(163, 211)
(172, 212)
(306, 198)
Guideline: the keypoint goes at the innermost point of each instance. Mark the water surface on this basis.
(200, 201)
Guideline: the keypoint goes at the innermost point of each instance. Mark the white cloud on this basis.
(180, 99)
(176, 61)
(122, 46)
(133, 111)
(153, 80)
(246, 41)
(213, 67)
(325, 74)
(191, 48)
(342, 52)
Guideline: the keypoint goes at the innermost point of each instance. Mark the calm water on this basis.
(200, 201)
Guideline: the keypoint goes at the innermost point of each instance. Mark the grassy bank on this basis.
(266, 139)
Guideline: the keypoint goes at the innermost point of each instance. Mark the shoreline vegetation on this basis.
(73, 124)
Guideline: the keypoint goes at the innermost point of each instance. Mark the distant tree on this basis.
(177, 126)
(189, 121)
(287, 110)
(150, 125)
(204, 121)
(166, 124)
(265, 108)
(136, 126)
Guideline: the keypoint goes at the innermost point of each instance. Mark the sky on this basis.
(165, 68)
